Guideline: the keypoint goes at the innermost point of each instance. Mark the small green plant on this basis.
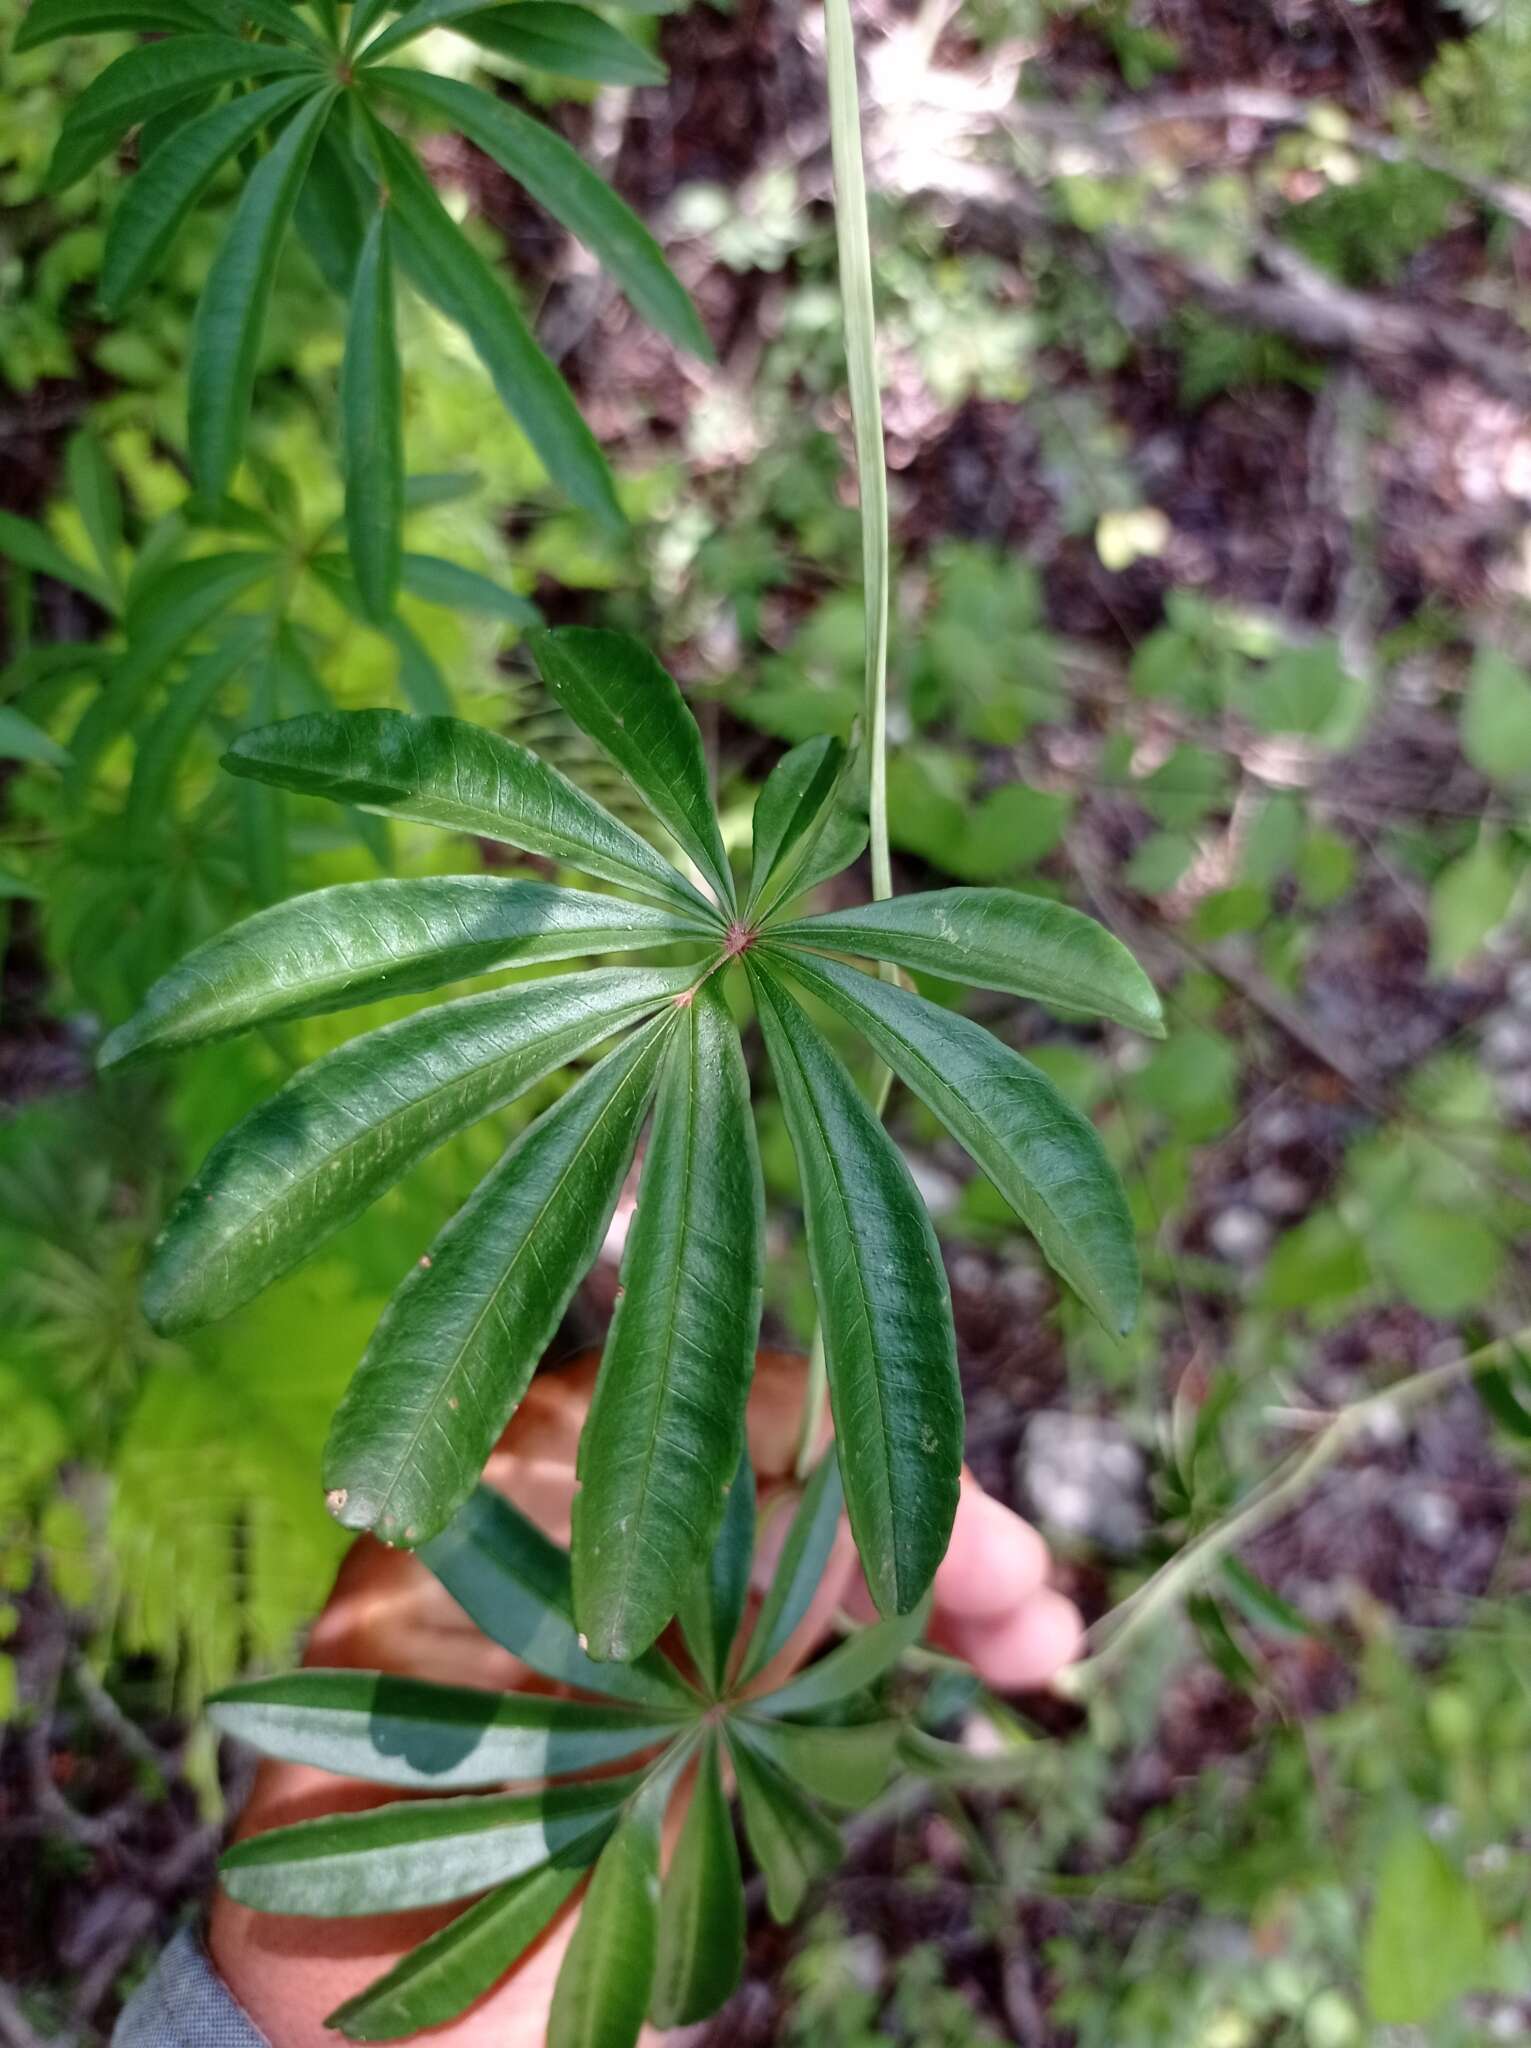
(358, 194)
(817, 1739)
(458, 1345)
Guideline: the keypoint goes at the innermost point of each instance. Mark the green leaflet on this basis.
(25, 545)
(231, 313)
(790, 1839)
(558, 178)
(614, 690)
(45, 21)
(172, 611)
(713, 1604)
(849, 1668)
(372, 425)
(799, 1568)
(360, 941)
(548, 35)
(995, 938)
(21, 739)
(701, 1919)
(419, 1853)
(402, 1731)
(790, 812)
(156, 202)
(666, 1426)
(450, 272)
(516, 1585)
(452, 1968)
(1044, 1157)
(412, 22)
(150, 79)
(98, 498)
(457, 1345)
(442, 582)
(884, 1306)
(151, 794)
(554, 37)
(845, 1767)
(603, 1987)
(344, 1130)
(333, 209)
(443, 771)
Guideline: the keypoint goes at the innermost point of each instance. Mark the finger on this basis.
(994, 1562)
(1023, 1651)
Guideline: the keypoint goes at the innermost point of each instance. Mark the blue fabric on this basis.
(184, 2003)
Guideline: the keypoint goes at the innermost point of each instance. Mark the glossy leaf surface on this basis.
(343, 1131)
(884, 1306)
(666, 1424)
(995, 938)
(360, 941)
(443, 771)
(603, 1987)
(458, 1964)
(457, 1345)
(701, 1920)
(789, 1838)
(420, 1852)
(614, 689)
(402, 1731)
(516, 1584)
(1044, 1157)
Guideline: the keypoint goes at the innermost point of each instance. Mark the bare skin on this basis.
(992, 1606)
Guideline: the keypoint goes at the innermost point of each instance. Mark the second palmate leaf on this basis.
(457, 1345)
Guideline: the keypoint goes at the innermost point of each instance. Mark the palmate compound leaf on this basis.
(452, 1356)
(883, 1303)
(682, 1936)
(457, 1345)
(1042, 1155)
(666, 1425)
(445, 772)
(317, 1154)
(361, 941)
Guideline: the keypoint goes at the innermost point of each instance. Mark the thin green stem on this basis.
(853, 237)
(1273, 1498)
(854, 243)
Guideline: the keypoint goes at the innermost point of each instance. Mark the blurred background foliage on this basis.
(1205, 331)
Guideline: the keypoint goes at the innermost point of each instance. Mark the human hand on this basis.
(387, 1613)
